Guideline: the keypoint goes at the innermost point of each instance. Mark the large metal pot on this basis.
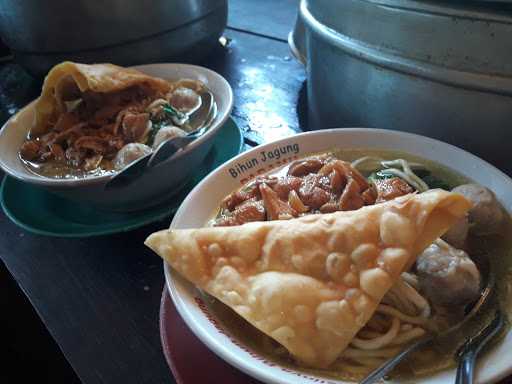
(436, 68)
(127, 32)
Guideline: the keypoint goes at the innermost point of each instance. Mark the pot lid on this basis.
(468, 37)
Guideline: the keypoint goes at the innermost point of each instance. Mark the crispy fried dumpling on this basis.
(68, 81)
(311, 283)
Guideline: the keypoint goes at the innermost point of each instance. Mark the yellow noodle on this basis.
(368, 335)
(411, 279)
(407, 300)
(407, 336)
(397, 299)
(380, 341)
(406, 327)
(418, 300)
(378, 322)
(418, 320)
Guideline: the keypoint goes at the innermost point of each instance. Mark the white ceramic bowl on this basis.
(155, 185)
(202, 202)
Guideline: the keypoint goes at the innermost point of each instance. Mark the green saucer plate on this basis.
(44, 213)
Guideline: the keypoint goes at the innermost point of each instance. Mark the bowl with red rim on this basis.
(204, 200)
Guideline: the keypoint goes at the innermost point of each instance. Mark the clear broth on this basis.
(61, 170)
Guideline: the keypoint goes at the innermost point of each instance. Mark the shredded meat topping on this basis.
(388, 189)
(318, 184)
(277, 209)
(30, 150)
(95, 128)
(135, 126)
(249, 210)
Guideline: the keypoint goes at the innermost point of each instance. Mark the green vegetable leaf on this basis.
(168, 108)
(380, 175)
(171, 116)
(176, 116)
(433, 182)
(154, 130)
(422, 173)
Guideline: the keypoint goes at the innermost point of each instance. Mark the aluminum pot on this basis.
(436, 68)
(126, 32)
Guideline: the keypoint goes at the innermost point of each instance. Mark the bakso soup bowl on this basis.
(157, 184)
(205, 318)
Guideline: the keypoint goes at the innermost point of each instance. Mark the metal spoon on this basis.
(199, 120)
(202, 115)
(128, 174)
(199, 124)
(169, 147)
(469, 351)
(485, 295)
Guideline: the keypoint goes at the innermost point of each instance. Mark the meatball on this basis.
(456, 236)
(486, 216)
(135, 126)
(129, 153)
(184, 99)
(447, 275)
(167, 133)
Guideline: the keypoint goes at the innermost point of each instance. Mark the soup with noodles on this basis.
(431, 296)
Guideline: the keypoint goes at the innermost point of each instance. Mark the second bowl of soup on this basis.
(347, 176)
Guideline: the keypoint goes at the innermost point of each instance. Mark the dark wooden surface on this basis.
(99, 298)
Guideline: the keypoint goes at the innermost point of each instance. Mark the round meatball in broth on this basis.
(456, 236)
(167, 133)
(486, 216)
(447, 275)
(129, 153)
(184, 99)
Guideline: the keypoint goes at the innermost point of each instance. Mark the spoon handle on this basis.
(385, 368)
(465, 368)
(470, 350)
(167, 149)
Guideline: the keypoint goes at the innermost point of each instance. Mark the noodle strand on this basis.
(407, 336)
(418, 320)
(380, 341)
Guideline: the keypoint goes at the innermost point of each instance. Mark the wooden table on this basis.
(99, 298)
